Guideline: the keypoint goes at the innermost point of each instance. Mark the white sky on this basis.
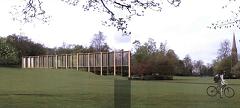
(184, 28)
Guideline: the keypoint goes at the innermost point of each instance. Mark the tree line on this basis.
(224, 61)
(14, 47)
(149, 60)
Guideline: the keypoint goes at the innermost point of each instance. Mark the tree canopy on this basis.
(8, 54)
(119, 11)
(98, 43)
(223, 62)
(148, 59)
(14, 47)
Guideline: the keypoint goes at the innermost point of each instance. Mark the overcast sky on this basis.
(183, 28)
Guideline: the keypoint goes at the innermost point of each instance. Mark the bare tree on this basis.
(151, 46)
(188, 64)
(233, 21)
(198, 67)
(163, 48)
(119, 11)
(98, 43)
(224, 50)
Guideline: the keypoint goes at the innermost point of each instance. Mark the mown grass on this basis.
(50, 88)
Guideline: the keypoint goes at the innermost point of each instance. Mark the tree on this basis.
(172, 55)
(80, 48)
(141, 52)
(148, 60)
(163, 48)
(24, 46)
(198, 67)
(64, 49)
(223, 62)
(119, 11)
(98, 43)
(188, 65)
(71, 48)
(172, 61)
(8, 54)
(224, 50)
(151, 46)
(236, 71)
(160, 64)
(223, 65)
(234, 19)
(37, 49)
(180, 68)
(207, 70)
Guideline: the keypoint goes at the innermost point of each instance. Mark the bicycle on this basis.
(214, 90)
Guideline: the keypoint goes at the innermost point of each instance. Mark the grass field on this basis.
(50, 88)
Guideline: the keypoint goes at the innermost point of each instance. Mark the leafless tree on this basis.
(224, 50)
(232, 21)
(198, 66)
(119, 11)
(188, 64)
(99, 44)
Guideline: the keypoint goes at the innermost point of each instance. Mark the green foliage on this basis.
(236, 71)
(224, 61)
(223, 65)
(14, 47)
(80, 48)
(147, 59)
(187, 61)
(17, 46)
(207, 70)
(8, 54)
(24, 46)
(69, 49)
(180, 68)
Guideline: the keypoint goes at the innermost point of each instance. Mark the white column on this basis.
(47, 61)
(56, 61)
(38, 63)
(32, 62)
(23, 62)
(77, 61)
(29, 65)
(129, 64)
(114, 64)
(101, 63)
(66, 61)
(88, 63)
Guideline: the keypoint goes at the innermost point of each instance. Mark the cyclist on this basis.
(220, 82)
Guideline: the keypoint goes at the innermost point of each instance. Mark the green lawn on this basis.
(51, 88)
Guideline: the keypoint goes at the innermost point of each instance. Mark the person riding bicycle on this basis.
(221, 87)
(220, 81)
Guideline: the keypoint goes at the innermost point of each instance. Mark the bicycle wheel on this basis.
(229, 92)
(212, 91)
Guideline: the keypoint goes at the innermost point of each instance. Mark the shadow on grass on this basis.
(11, 66)
(28, 94)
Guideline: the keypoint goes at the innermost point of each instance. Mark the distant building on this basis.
(234, 52)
